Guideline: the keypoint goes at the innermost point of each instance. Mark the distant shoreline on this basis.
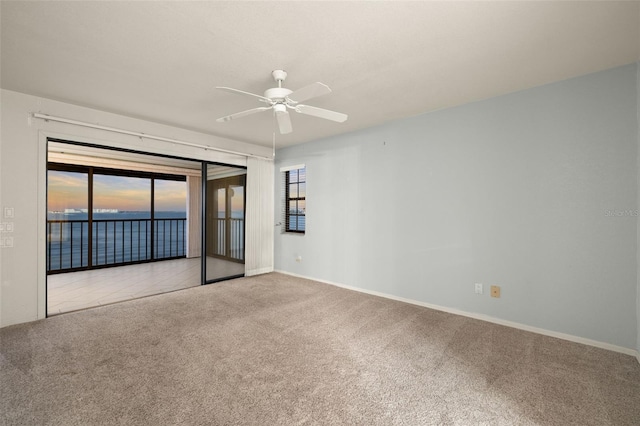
(113, 211)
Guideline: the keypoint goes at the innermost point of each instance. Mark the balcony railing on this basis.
(229, 238)
(72, 245)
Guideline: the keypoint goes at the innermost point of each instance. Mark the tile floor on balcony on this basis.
(86, 289)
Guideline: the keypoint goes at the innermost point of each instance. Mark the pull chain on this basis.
(273, 139)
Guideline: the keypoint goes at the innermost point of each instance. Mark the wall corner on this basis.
(638, 219)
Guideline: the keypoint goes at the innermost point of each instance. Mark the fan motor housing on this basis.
(277, 93)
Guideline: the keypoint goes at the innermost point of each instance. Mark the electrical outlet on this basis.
(8, 212)
(478, 288)
(495, 291)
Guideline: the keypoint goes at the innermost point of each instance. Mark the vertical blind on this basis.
(259, 217)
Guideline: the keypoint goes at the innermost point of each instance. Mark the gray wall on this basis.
(533, 191)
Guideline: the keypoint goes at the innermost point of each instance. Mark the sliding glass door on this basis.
(224, 195)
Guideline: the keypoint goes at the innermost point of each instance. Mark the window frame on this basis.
(288, 199)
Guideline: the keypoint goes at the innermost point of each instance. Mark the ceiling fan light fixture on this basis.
(279, 108)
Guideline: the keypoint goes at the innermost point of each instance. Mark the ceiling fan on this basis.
(281, 100)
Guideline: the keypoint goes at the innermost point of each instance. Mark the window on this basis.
(295, 185)
(105, 217)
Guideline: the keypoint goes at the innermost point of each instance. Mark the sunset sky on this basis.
(68, 190)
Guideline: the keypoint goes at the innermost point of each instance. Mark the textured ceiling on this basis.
(161, 61)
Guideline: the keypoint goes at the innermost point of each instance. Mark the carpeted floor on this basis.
(277, 350)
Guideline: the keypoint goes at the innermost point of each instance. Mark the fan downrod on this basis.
(278, 94)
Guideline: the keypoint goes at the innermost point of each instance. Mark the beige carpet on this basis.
(277, 350)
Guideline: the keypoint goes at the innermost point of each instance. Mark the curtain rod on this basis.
(47, 117)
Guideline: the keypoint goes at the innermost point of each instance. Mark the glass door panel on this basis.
(220, 211)
(67, 220)
(170, 218)
(224, 224)
(122, 221)
(235, 223)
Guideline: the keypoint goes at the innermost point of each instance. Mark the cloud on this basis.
(170, 195)
(67, 190)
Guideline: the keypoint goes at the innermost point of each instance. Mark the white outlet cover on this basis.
(478, 288)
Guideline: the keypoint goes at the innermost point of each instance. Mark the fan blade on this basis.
(242, 114)
(311, 91)
(322, 113)
(229, 89)
(284, 122)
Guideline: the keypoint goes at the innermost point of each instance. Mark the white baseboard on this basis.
(482, 317)
(258, 271)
